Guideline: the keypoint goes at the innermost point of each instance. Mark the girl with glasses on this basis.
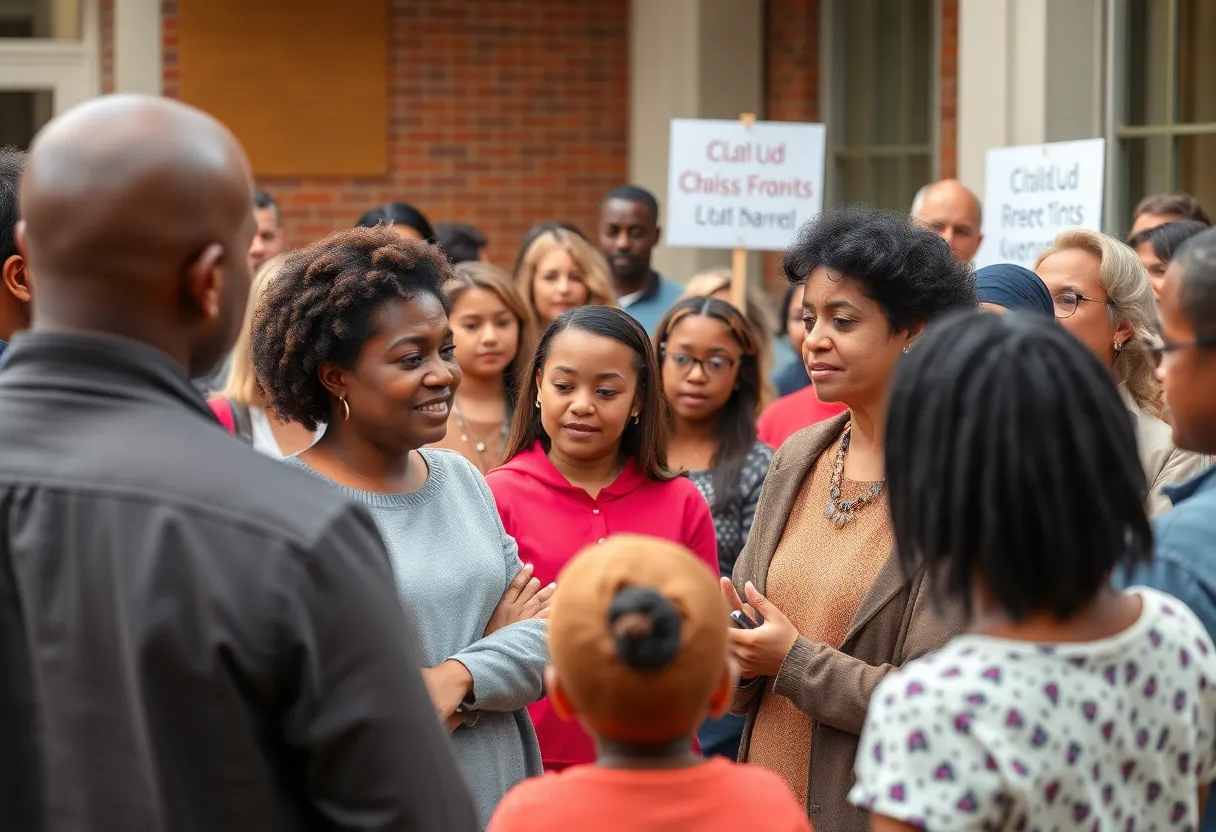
(712, 381)
(1103, 297)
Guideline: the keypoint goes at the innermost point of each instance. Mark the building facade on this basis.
(508, 112)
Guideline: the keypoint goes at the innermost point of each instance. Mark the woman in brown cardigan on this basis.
(819, 570)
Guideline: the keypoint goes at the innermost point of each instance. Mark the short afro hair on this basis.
(906, 269)
(320, 307)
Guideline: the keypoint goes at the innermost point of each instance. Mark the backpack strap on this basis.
(234, 416)
(242, 421)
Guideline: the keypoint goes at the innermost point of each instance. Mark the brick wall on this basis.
(791, 83)
(947, 155)
(502, 113)
(107, 47)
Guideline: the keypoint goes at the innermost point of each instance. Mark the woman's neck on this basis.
(694, 431)
(1109, 613)
(864, 461)
(346, 458)
(481, 389)
(592, 475)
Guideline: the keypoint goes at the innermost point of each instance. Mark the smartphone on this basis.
(742, 621)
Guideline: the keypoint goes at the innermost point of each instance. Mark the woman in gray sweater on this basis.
(354, 333)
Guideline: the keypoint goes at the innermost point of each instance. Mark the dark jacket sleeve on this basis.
(374, 754)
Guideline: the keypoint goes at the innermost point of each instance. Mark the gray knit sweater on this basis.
(452, 560)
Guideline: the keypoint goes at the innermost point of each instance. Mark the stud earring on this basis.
(538, 403)
(635, 418)
(905, 349)
(346, 406)
(1119, 345)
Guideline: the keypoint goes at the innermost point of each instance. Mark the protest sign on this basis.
(1034, 192)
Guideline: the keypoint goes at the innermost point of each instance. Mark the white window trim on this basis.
(70, 69)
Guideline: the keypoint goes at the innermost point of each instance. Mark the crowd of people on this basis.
(375, 534)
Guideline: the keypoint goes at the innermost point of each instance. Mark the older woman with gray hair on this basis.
(1102, 296)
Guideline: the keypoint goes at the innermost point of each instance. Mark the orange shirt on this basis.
(716, 796)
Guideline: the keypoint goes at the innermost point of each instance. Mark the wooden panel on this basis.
(302, 83)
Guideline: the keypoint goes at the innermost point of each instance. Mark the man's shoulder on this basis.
(181, 463)
(1190, 527)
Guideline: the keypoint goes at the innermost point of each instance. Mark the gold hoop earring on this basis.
(345, 405)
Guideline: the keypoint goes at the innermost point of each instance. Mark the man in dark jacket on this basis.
(192, 636)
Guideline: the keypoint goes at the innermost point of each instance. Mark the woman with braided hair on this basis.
(354, 333)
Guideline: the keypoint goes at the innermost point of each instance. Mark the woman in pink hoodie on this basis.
(586, 459)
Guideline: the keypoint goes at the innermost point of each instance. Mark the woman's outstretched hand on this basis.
(524, 598)
(759, 652)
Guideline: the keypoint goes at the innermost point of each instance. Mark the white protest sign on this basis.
(732, 186)
(1035, 192)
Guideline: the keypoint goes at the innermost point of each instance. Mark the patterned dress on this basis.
(995, 734)
(734, 524)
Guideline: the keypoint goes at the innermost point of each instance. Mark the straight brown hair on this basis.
(477, 275)
(645, 442)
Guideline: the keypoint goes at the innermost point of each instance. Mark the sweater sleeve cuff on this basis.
(795, 668)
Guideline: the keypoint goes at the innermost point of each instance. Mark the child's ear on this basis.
(724, 693)
(558, 700)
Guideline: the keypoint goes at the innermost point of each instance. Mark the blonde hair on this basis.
(1129, 296)
(759, 316)
(590, 263)
(241, 386)
(474, 274)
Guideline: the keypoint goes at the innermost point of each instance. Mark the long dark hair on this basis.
(1011, 457)
(735, 425)
(645, 442)
(398, 213)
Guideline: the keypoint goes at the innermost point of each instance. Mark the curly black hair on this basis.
(906, 269)
(320, 306)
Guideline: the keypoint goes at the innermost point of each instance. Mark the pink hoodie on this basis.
(552, 520)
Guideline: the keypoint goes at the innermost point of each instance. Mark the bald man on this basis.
(952, 212)
(192, 636)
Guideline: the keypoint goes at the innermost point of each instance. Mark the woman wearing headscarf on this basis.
(1006, 287)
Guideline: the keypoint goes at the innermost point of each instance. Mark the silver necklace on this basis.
(841, 512)
(465, 433)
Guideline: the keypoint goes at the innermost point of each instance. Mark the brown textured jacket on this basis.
(896, 622)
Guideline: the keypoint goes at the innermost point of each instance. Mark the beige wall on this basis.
(1029, 71)
(689, 59)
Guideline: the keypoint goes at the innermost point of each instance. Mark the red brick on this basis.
(533, 94)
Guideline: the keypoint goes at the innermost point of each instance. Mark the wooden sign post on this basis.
(738, 260)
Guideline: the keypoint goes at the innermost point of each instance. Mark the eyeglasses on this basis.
(1157, 347)
(1067, 303)
(716, 366)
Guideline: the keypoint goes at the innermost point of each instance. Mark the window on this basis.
(882, 55)
(49, 61)
(1164, 101)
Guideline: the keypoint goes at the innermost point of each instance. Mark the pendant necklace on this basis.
(841, 512)
(465, 434)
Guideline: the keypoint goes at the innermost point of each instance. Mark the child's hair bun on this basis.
(646, 628)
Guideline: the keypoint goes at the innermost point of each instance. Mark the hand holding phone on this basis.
(743, 621)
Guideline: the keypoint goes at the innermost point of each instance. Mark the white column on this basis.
(689, 59)
(137, 46)
(1029, 71)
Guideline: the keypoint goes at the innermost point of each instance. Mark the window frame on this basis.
(1118, 131)
(832, 92)
(69, 69)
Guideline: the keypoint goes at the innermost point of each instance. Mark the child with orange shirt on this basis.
(637, 641)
